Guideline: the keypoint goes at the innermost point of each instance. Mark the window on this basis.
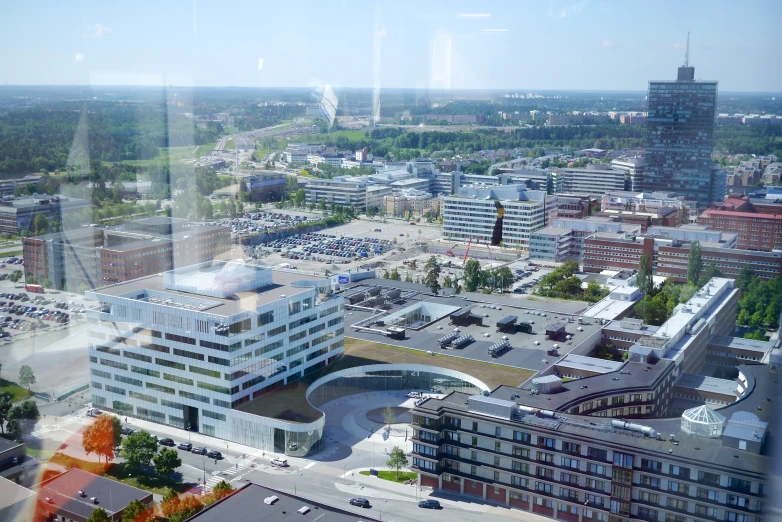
(546, 457)
(569, 463)
(647, 514)
(176, 378)
(705, 511)
(597, 454)
(497, 446)
(597, 469)
(739, 484)
(676, 503)
(708, 494)
(547, 442)
(520, 452)
(570, 447)
(651, 465)
(623, 460)
(678, 487)
(731, 516)
(652, 498)
(653, 482)
(521, 436)
(164, 389)
(709, 478)
(680, 471)
(519, 482)
(128, 380)
(734, 500)
(498, 432)
(543, 487)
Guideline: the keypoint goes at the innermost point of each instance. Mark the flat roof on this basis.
(742, 344)
(592, 364)
(554, 231)
(12, 493)
(608, 308)
(233, 304)
(248, 505)
(707, 384)
(709, 453)
(113, 496)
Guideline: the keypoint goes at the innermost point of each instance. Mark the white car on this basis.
(280, 462)
(414, 395)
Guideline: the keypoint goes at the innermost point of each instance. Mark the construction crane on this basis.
(449, 252)
(467, 252)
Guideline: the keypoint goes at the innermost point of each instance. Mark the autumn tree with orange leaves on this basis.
(99, 438)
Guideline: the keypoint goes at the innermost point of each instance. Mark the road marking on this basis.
(50, 428)
(308, 466)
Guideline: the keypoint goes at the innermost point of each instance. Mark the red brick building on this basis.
(755, 231)
(610, 251)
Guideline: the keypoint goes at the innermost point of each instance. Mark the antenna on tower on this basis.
(687, 52)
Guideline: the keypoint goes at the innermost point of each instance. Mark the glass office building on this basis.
(680, 138)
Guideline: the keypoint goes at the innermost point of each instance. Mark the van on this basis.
(94, 412)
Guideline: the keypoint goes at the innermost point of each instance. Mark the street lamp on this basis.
(294, 482)
(381, 508)
(344, 474)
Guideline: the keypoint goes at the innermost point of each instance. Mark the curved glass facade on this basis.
(380, 380)
(302, 439)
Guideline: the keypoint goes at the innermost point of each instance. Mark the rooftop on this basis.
(707, 384)
(235, 296)
(761, 347)
(63, 492)
(592, 364)
(249, 504)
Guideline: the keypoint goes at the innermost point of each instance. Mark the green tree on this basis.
(136, 511)
(26, 376)
(432, 275)
(694, 263)
(503, 277)
(389, 417)
(116, 428)
(13, 427)
(15, 276)
(322, 204)
(222, 487)
(397, 460)
(99, 515)
(645, 283)
(5, 407)
(395, 275)
(746, 276)
(447, 282)
(371, 211)
(472, 275)
(711, 272)
(408, 277)
(138, 450)
(47, 283)
(28, 410)
(594, 291)
(40, 224)
(166, 461)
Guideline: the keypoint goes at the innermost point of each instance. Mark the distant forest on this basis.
(70, 134)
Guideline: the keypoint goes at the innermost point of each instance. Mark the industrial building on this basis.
(17, 214)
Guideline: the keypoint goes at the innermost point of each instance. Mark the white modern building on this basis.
(595, 179)
(344, 190)
(472, 214)
(191, 346)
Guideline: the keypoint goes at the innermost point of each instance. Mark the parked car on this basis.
(199, 451)
(279, 462)
(430, 504)
(360, 502)
(166, 442)
(127, 431)
(214, 454)
(185, 446)
(414, 395)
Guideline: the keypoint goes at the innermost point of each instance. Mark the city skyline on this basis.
(459, 46)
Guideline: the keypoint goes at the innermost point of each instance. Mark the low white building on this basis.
(344, 190)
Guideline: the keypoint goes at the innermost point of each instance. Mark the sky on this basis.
(511, 45)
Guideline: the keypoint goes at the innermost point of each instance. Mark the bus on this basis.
(36, 289)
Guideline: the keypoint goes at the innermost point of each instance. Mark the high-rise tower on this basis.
(680, 137)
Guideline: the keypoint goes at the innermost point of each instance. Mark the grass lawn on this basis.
(205, 149)
(40, 454)
(16, 392)
(391, 475)
(147, 481)
(12, 253)
(289, 402)
(230, 145)
(231, 130)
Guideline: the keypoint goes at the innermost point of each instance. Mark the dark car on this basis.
(127, 431)
(166, 442)
(430, 504)
(198, 451)
(185, 446)
(360, 502)
(214, 455)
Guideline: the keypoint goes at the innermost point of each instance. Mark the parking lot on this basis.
(257, 222)
(327, 248)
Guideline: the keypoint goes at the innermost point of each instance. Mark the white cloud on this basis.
(79, 57)
(494, 30)
(606, 44)
(474, 15)
(569, 10)
(96, 31)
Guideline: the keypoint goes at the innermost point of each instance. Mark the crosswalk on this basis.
(52, 427)
(216, 477)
